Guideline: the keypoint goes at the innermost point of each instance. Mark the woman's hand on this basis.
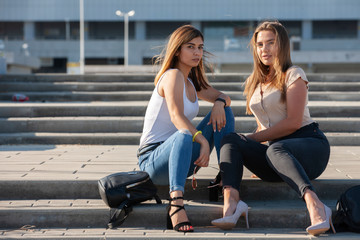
(218, 117)
(204, 157)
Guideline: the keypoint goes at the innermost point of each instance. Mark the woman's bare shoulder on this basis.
(172, 75)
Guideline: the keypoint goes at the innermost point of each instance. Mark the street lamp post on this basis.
(82, 41)
(126, 33)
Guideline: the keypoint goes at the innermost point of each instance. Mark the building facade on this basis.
(325, 34)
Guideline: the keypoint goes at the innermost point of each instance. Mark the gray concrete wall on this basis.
(156, 10)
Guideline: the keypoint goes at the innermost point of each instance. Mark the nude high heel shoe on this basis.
(322, 227)
(229, 222)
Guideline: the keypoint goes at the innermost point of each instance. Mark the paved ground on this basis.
(139, 233)
(87, 162)
(91, 162)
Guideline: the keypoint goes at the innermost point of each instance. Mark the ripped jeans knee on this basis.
(185, 131)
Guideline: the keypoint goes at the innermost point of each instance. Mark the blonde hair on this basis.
(168, 59)
(281, 64)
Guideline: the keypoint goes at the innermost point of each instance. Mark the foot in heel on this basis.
(324, 226)
(229, 222)
(182, 226)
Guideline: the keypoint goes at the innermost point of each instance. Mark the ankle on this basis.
(316, 208)
(176, 195)
(231, 194)
(231, 198)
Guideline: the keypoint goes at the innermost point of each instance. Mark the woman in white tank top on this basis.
(171, 146)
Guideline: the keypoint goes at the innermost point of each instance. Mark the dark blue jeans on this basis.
(295, 159)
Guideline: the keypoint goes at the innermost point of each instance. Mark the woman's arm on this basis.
(171, 88)
(295, 105)
(210, 94)
(217, 118)
(258, 128)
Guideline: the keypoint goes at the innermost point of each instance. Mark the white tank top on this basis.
(157, 125)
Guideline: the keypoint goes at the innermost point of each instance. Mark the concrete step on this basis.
(72, 171)
(135, 124)
(143, 233)
(251, 189)
(124, 77)
(49, 96)
(149, 77)
(82, 213)
(149, 86)
(77, 86)
(333, 96)
(76, 96)
(138, 108)
(128, 138)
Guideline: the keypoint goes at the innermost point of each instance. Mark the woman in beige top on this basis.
(287, 145)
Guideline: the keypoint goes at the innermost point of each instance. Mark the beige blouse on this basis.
(268, 109)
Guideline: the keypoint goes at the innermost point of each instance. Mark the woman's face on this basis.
(191, 53)
(266, 47)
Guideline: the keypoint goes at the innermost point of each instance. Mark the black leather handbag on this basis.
(120, 191)
(347, 217)
(215, 190)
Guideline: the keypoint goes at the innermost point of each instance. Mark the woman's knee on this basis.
(228, 138)
(230, 120)
(277, 153)
(276, 148)
(229, 113)
(232, 138)
(232, 147)
(183, 136)
(185, 131)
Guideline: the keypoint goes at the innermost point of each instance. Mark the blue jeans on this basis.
(295, 159)
(173, 161)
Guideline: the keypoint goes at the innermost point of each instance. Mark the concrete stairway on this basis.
(279, 208)
(56, 187)
(109, 109)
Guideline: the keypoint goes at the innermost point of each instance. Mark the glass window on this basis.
(335, 29)
(148, 61)
(161, 30)
(221, 30)
(293, 28)
(50, 30)
(109, 30)
(74, 30)
(11, 30)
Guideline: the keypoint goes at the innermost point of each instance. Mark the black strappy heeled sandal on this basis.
(168, 217)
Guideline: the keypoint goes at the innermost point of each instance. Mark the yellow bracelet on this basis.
(196, 135)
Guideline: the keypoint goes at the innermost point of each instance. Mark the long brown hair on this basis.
(281, 64)
(168, 59)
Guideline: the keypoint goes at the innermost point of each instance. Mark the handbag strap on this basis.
(115, 213)
(158, 200)
(115, 219)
